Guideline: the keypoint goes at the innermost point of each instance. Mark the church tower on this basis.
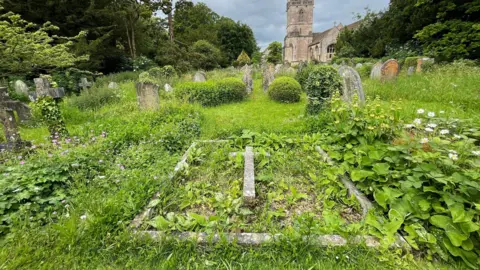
(299, 30)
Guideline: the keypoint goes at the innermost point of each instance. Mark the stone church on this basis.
(301, 44)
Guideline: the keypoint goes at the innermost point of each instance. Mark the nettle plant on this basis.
(424, 175)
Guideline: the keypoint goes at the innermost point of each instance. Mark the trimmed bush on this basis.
(285, 89)
(212, 93)
(302, 76)
(322, 82)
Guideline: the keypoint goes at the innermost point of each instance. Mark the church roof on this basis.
(318, 37)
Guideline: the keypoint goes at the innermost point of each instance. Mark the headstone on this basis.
(147, 96)
(278, 68)
(422, 61)
(248, 78)
(43, 89)
(376, 73)
(249, 177)
(411, 71)
(200, 76)
(21, 87)
(359, 65)
(7, 118)
(352, 84)
(84, 83)
(301, 66)
(268, 77)
(390, 70)
(168, 88)
(113, 85)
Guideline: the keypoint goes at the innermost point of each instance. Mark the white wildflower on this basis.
(432, 125)
(444, 131)
(453, 156)
(83, 217)
(429, 130)
(409, 126)
(476, 153)
(431, 114)
(417, 121)
(420, 111)
(424, 141)
(456, 136)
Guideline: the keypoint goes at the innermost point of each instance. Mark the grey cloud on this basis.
(268, 17)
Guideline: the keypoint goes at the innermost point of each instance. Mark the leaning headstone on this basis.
(268, 77)
(390, 70)
(21, 87)
(84, 83)
(376, 73)
(411, 71)
(200, 76)
(147, 96)
(248, 79)
(422, 61)
(352, 84)
(113, 85)
(168, 88)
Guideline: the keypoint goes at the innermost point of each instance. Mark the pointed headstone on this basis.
(352, 84)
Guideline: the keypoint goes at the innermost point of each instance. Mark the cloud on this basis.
(268, 18)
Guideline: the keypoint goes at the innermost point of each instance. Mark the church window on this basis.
(301, 16)
(330, 51)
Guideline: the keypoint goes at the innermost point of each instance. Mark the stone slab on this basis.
(249, 177)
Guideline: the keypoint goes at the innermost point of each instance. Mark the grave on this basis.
(411, 71)
(376, 73)
(113, 85)
(268, 77)
(21, 87)
(249, 177)
(248, 78)
(422, 61)
(359, 65)
(43, 89)
(7, 117)
(168, 88)
(200, 76)
(147, 96)
(389, 70)
(85, 84)
(301, 66)
(352, 84)
(278, 68)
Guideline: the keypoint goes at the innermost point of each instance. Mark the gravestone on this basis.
(422, 61)
(278, 68)
(113, 85)
(376, 73)
(7, 118)
(84, 83)
(352, 84)
(43, 89)
(301, 66)
(200, 76)
(411, 71)
(168, 88)
(359, 65)
(268, 77)
(248, 78)
(390, 70)
(147, 96)
(249, 177)
(21, 87)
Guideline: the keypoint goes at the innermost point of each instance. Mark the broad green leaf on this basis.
(424, 205)
(441, 221)
(458, 213)
(396, 221)
(381, 198)
(469, 227)
(375, 155)
(201, 220)
(381, 168)
(360, 175)
(160, 223)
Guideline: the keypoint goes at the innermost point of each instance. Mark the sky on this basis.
(268, 18)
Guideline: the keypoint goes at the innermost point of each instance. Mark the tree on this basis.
(205, 55)
(275, 52)
(234, 38)
(243, 59)
(195, 22)
(26, 47)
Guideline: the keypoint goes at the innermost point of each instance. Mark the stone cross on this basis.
(390, 70)
(7, 117)
(376, 73)
(84, 83)
(352, 84)
(147, 96)
(43, 89)
(268, 77)
(200, 76)
(248, 78)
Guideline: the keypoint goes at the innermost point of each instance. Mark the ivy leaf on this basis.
(381, 168)
(360, 175)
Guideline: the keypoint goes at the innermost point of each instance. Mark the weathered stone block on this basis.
(249, 177)
(147, 96)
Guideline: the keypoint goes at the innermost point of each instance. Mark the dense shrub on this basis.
(285, 89)
(95, 98)
(365, 70)
(411, 61)
(212, 93)
(302, 75)
(118, 78)
(70, 78)
(322, 82)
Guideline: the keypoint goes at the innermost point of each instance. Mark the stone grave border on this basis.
(257, 239)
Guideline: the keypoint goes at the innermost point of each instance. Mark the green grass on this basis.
(258, 113)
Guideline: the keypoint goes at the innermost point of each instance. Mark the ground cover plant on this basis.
(296, 191)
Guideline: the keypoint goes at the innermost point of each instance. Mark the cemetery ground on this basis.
(118, 157)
